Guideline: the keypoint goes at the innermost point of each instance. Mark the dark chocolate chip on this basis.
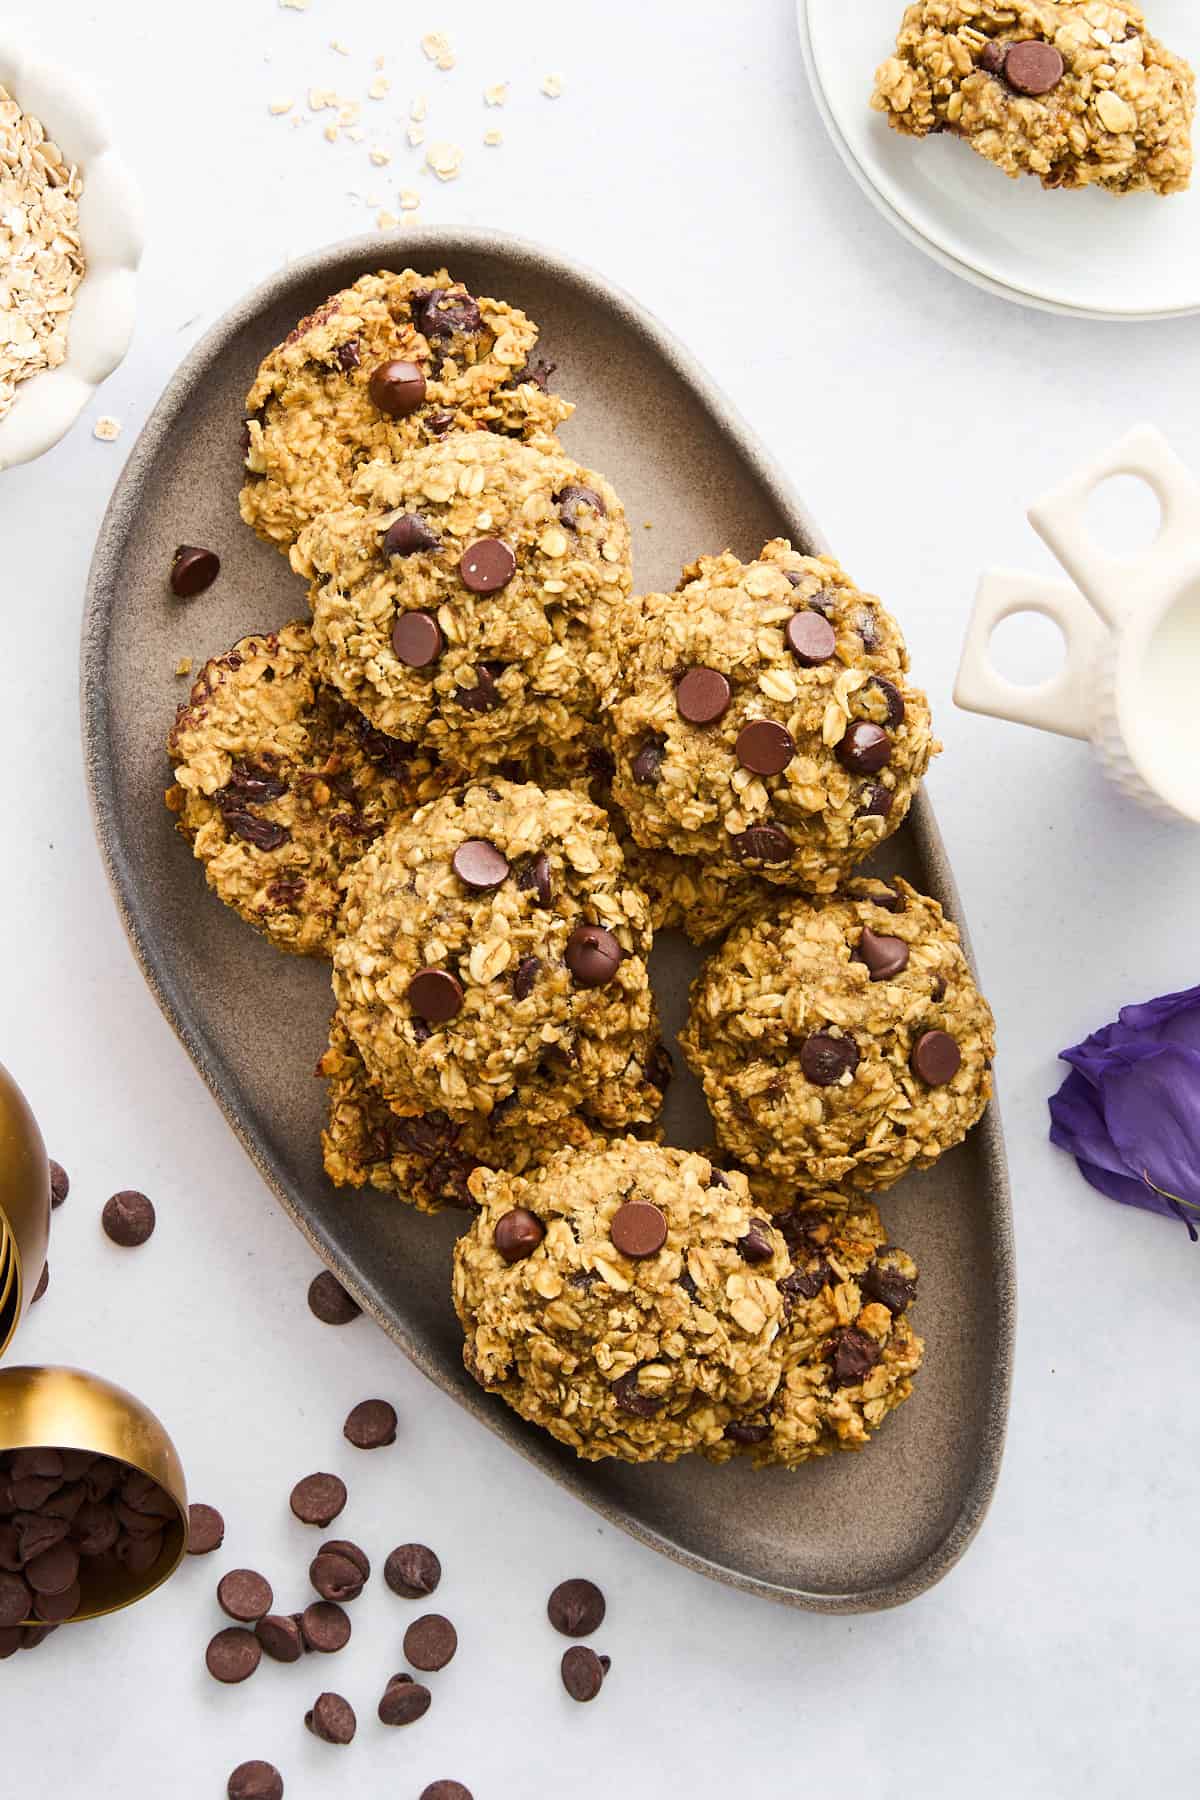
(826, 1059)
(349, 355)
(445, 1790)
(535, 875)
(571, 499)
(264, 834)
(764, 747)
(576, 1607)
(370, 1425)
(885, 957)
(852, 1355)
(329, 1301)
(54, 1571)
(518, 1234)
(331, 1719)
(811, 638)
(487, 565)
(325, 1627)
(128, 1218)
(936, 1058)
(762, 843)
(992, 60)
(525, 977)
(440, 312)
(1034, 67)
(245, 1595)
(416, 639)
(412, 1571)
(408, 534)
(755, 1245)
(648, 762)
(430, 1642)
(397, 388)
(248, 782)
(806, 1284)
(894, 699)
(95, 1528)
(352, 1552)
(255, 1781)
(702, 696)
(877, 803)
(435, 995)
(739, 1433)
(318, 1499)
(60, 1183)
(55, 1609)
(865, 748)
(889, 1287)
(638, 1229)
(404, 1702)
(16, 1601)
(480, 866)
(192, 570)
(233, 1654)
(335, 1577)
(281, 1637)
(627, 1397)
(593, 955)
(868, 629)
(485, 696)
(582, 1672)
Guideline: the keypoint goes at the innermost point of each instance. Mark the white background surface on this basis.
(918, 417)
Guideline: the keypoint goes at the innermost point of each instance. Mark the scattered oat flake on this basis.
(493, 138)
(409, 199)
(332, 133)
(295, 5)
(416, 135)
(418, 108)
(436, 46)
(445, 160)
(380, 60)
(496, 95)
(356, 134)
(380, 157)
(279, 107)
(107, 429)
(337, 44)
(387, 221)
(320, 98)
(552, 87)
(379, 88)
(348, 112)
(184, 666)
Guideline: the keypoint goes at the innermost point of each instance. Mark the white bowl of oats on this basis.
(70, 244)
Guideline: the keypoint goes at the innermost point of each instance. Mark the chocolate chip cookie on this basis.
(762, 720)
(280, 786)
(494, 950)
(625, 1298)
(394, 361)
(465, 599)
(1076, 92)
(842, 1041)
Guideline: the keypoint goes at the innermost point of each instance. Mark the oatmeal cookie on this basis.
(624, 1297)
(849, 1350)
(842, 1042)
(494, 947)
(395, 361)
(465, 599)
(763, 723)
(1076, 92)
(280, 787)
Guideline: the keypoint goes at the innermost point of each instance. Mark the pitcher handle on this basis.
(1063, 703)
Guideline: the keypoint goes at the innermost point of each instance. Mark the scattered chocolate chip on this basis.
(1034, 67)
(811, 638)
(193, 570)
(518, 1234)
(894, 699)
(233, 1655)
(408, 534)
(702, 696)
(825, 1059)
(445, 1790)
(318, 1499)
(582, 1672)
(325, 1627)
(487, 565)
(764, 747)
(535, 875)
(404, 1701)
(593, 955)
(416, 639)
(889, 1287)
(992, 60)
(865, 748)
(480, 866)
(60, 1183)
(370, 1425)
(128, 1218)
(576, 1607)
(43, 1284)
(571, 499)
(435, 995)
(627, 1397)
(255, 1781)
(412, 1571)
(740, 1433)
(352, 1553)
(936, 1058)
(244, 1595)
(755, 1245)
(762, 843)
(638, 1229)
(329, 1301)
(649, 760)
(525, 976)
(397, 388)
(281, 1637)
(852, 1355)
(335, 1577)
(884, 957)
(430, 1642)
(331, 1719)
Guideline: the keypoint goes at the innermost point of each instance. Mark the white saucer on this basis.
(1094, 254)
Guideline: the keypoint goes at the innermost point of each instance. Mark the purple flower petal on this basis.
(1173, 1018)
(1077, 1126)
(1151, 1105)
(1168, 1009)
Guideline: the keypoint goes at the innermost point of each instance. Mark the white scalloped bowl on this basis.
(110, 220)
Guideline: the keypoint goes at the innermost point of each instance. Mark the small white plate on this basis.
(1130, 257)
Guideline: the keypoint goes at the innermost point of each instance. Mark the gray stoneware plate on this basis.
(851, 1533)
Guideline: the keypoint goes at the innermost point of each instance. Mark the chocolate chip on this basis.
(440, 312)
(877, 803)
(889, 1287)
(96, 1528)
(255, 1781)
(826, 1059)
(518, 1234)
(193, 570)
(625, 1393)
(60, 1183)
(582, 1672)
(992, 60)
(811, 638)
(244, 1595)
(937, 990)
(894, 699)
(569, 501)
(484, 696)
(885, 957)
(281, 1637)
(329, 1301)
(445, 1790)
(525, 976)
(352, 1553)
(412, 1571)
(404, 1702)
(755, 1245)
(28, 1492)
(318, 1499)
(936, 1058)
(702, 696)
(335, 1577)
(325, 1627)
(740, 1433)
(416, 639)
(43, 1284)
(806, 1284)
(852, 1355)
(638, 1229)
(593, 955)
(397, 388)
(487, 565)
(868, 629)
(55, 1609)
(264, 834)
(479, 865)
(649, 761)
(16, 1601)
(865, 748)
(576, 1607)
(370, 1425)
(435, 995)
(349, 355)
(331, 1719)
(764, 747)
(408, 534)
(430, 1642)
(54, 1571)
(128, 1218)
(762, 843)
(535, 875)
(233, 1655)
(248, 782)
(1034, 67)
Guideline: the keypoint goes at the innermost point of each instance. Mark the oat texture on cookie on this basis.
(280, 786)
(841, 1041)
(494, 954)
(466, 597)
(1076, 92)
(396, 360)
(624, 1297)
(763, 722)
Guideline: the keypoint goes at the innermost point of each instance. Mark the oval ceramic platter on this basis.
(851, 1533)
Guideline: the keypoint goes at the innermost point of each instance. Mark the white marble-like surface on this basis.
(918, 418)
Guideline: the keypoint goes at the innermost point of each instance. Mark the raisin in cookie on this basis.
(394, 361)
(1076, 92)
(465, 599)
(842, 1042)
(624, 1297)
(763, 722)
(849, 1350)
(280, 786)
(493, 947)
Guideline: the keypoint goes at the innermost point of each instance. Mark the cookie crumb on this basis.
(496, 95)
(107, 429)
(492, 138)
(552, 87)
(379, 88)
(184, 666)
(409, 200)
(387, 221)
(445, 160)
